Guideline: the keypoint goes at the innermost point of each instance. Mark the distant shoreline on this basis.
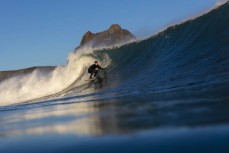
(12, 73)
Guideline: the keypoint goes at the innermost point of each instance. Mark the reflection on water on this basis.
(77, 118)
(115, 116)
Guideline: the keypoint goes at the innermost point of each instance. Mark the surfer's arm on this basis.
(99, 67)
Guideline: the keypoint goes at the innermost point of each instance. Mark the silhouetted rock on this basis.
(112, 36)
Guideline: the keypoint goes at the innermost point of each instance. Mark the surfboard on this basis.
(91, 79)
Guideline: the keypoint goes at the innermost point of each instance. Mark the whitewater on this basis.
(39, 83)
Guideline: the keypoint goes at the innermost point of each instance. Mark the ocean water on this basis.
(168, 93)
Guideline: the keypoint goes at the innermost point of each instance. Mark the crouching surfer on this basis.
(93, 69)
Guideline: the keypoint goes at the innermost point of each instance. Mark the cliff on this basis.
(112, 36)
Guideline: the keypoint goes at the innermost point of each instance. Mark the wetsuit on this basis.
(92, 70)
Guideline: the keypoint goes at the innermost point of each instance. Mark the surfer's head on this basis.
(96, 63)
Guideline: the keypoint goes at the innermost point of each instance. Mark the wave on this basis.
(192, 54)
(195, 53)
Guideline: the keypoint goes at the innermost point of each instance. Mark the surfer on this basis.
(93, 69)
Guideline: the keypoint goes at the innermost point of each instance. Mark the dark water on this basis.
(168, 93)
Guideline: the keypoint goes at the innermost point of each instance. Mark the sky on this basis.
(44, 32)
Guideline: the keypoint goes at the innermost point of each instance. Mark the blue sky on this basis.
(43, 32)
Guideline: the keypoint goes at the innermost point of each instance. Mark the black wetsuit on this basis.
(92, 70)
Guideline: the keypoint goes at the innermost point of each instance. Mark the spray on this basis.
(39, 84)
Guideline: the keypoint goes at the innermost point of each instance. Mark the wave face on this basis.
(186, 60)
(190, 57)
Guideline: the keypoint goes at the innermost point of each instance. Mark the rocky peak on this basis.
(112, 36)
(87, 37)
(115, 27)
